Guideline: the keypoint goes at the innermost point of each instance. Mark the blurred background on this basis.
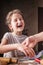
(33, 14)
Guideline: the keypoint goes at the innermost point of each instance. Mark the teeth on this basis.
(19, 25)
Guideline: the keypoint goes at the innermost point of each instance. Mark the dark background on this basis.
(40, 26)
(8, 5)
(30, 9)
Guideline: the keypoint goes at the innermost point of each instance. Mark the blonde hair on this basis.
(8, 18)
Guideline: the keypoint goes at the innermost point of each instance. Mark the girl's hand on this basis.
(26, 50)
(30, 52)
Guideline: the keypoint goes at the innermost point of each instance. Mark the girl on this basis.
(15, 38)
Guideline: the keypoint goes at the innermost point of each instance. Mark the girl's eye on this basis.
(15, 20)
(20, 19)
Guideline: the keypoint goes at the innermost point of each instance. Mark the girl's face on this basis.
(17, 23)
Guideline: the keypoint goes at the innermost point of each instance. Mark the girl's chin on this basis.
(20, 30)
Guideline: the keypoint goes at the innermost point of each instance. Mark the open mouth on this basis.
(19, 26)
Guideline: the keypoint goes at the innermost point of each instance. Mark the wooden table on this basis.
(16, 61)
(7, 61)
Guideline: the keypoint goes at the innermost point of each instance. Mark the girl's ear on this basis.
(10, 27)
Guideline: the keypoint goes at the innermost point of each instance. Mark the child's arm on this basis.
(7, 48)
(4, 47)
(10, 47)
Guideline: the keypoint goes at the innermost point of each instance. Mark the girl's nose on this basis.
(19, 21)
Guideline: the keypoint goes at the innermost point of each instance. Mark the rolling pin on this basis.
(14, 60)
(8, 60)
(2, 59)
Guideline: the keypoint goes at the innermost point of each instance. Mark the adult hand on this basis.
(30, 41)
(26, 50)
